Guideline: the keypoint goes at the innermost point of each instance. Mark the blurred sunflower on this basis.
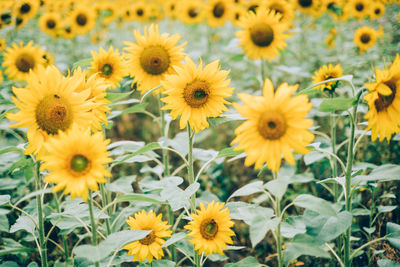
(330, 40)
(253, 5)
(285, 9)
(365, 37)
(19, 60)
(82, 19)
(109, 65)
(262, 34)
(50, 22)
(153, 56)
(237, 14)
(26, 9)
(358, 8)
(210, 229)
(311, 7)
(150, 246)
(76, 160)
(377, 10)
(67, 31)
(3, 44)
(170, 7)
(47, 58)
(49, 103)
(327, 72)
(140, 11)
(191, 12)
(196, 93)
(276, 124)
(218, 12)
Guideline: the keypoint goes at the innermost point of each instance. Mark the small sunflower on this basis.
(49, 103)
(327, 72)
(276, 124)
(210, 229)
(384, 102)
(237, 14)
(76, 160)
(365, 37)
(67, 31)
(3, 44)
(218, 12)
(191, 12)
(140, 11)
(170, 7)
(196, 93)
(311, 7)
(109, 65)
(26, 8)
(50, 23)
(19, 60)
(153, 56)
(358, 8)
(377, 10)
(150, 246)
(330, 40)
(262, 34)
(83, 19)
(285, 9)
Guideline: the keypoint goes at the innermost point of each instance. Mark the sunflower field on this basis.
(232, 133)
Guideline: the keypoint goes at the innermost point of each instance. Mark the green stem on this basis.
(42, 243)
(262, 71)
(278, 228)
(64, 240)
(105, 202)
(93, 223)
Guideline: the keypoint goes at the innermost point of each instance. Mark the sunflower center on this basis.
(365, 38)
(79, 163)
(81, 19)
(272, 125)
(196, 93)
(139, 12)
(209, 229)
(54, 113)
(377, 11)
(107, 69)
(6, 18)
(262, 34)
(51, 24)
(154, 60)
(25, 62)
(359, 7)
(305, 3)
(218, 10)
(25, 8)
(193, 12)
(149, 239)
(384, 101)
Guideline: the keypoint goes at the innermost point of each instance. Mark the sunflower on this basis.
(311, 7)
(384, 102)
(50, 22)
(377, 10)
(218, 12)
(76, 160)
(48, 58)
(210, 229)
(140, 11)
(365, 37)
(275, 126)
(150, 246)
(358, 8)
(196, 93)
(67, 31)
(330, 40)
(253, 5)
(326, 73)
(153, 56)
(3, 44)
(109, 65)
(19, 60)
(191, 12)
(262, 34)
(237, 14)
(26, 8)
(83, 19)
(49, 103)
(127, 13)
(285, 9)
(170, 7)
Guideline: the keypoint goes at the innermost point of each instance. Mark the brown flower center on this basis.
(53, 113)
(140, 12)
(106, 70)
(196, 93)
(384, 101)
(154, 60)
(272, 125)
(365, 38)
(359, 7)
(377, 11)
(25, 62)
(51, 24)
(193, 12)
(149, 239)
(262, 34)
(305, 3)
(79, 163)
(209, 229)
(81, 19)
(25, 8)
(218, 10)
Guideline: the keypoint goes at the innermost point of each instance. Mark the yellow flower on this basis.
(358, 8)
(326, 73)
(50, 23)
(153, 56)
(141, 11)
(2, 44)
(76, 160)
(196, 93)
(210, 229)
(262, 34)
(19, 60)
(377, 10)
(238, 12)
(285, 9)
(311, 7)
(218, 12)
(109, 65)
(150, 246)
(49, 103)
(48, 58)
(330, 40)
(191, 12)
(82, 19)
(276, 124)
(26, 9)
(365, 37)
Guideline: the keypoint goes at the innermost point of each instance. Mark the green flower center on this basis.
(79, 163)
(196, 93)
(107, 70)
(209, 229)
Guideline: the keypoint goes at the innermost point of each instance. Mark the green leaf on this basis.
(117, 96)
(386, 172)
(23, 223)
(292, 226)
(246, 262)
(139, 108)
(334, 104)
(384, 209)
(228, 152)
(393, 234)
(140, 198)
(4, 199)
(146, 148)
(305, 247)
(277, 187)
(178, 198)
(334, 226)
(122, 185)
(316, 204)
(360, 212)
(387, 263)
(248, 189)
(173, 239)
(4, 224)
(82, 63)
(163, 263)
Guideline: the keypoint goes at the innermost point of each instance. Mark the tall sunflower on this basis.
(218, 12)
(327, 72)
(150, 246)
(276, 124)
(365, 37)
(109, 65)
(196, 93)
(262, 34)
(49, 103)
(20, 59)
(210, 229)
(76, 160)
(153, 56)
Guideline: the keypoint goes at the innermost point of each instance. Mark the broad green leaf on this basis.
(335, 226)
(82, 63)
(4, 224)
(122, 185)
(23, 223)
(146, 148)
(117, 96)
(138, 108)
(316, 204)
(387, 263)
(360, 212)
(173, 239)
(384, 209)
(369, 230)
(140, 198)
(386, 172)
(4, 199)
(217, 257)
(296, 249)
(246, 262)
(334, 104)
(292, 226)
(248, 189)
(393, 234)
(163, 263)
(228, 152)
(178, 198)
(277, 187)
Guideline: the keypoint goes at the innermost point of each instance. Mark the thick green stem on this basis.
(64, 240)
(93, 223)
(278, 228)
(105, 202)
(42, 243)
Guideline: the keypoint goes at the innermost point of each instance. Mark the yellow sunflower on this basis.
(3, 44)
(49, 103)
(311, 7)
(50, 22)
(82, 19)
(196, 93)
(67, 31)
(253, 5)
(141, 11)
(358, 8)
(327, 72)
(384, 102)
(285, 9)
(237, 14)
(153, 56)
(76, 160)
(26, 8)
(170, 7)
(150, 246)
(218, 12)
(191, 12)
(330, 40)
(276, 124)
(109, 65)
(210, 229)
(377, 10)
(262, 34)
(48, 58)
(365, 37)
(19, 60)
